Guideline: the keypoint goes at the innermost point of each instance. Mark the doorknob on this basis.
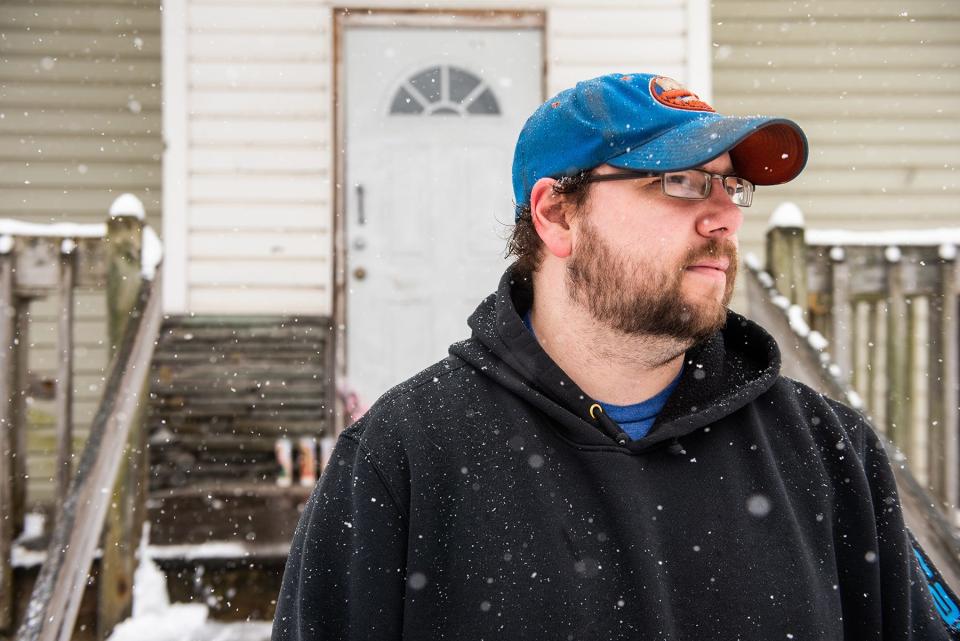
(359, 273)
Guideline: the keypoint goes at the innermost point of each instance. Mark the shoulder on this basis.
(821, 412)
(423, 399)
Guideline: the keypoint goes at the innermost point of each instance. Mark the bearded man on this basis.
(613, 454)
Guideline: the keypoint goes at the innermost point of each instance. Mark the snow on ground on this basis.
(156, 619)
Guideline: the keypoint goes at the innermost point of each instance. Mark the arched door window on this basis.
(444, 90)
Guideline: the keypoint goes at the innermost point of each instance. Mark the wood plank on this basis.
(246, 18)
(116, 123)
(866, 56)
(205, 46)
(124, 177)
(281, 298)
(636, 23)
(249, 217)
(7, 443)
(60, 584)
(808, 104)
(734, 29)
(310, 274)
(566, 75)
(85, 44)
(78, 204)
(63, 95)
(261, 102)
(627, 51)
(306, 133)
(79, 147)
(104, 19)
(230, 244)
(898, 393)
(298, 189)
(823, 10)
(227, 74)
(65, 380)
(19, 67)
(886, 83)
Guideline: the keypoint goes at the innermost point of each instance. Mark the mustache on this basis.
(715, 248)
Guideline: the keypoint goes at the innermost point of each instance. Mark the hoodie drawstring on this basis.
(608, 425)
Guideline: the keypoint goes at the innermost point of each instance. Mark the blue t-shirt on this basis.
(635, 419)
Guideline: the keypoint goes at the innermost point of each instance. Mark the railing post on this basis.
(841, 313)
(124, 244)
(898, 388)
(787, 254)
(64, 395)
(18, 408)
(943, 394)
(7, 441)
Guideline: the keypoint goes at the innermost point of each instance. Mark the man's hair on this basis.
(525, 243)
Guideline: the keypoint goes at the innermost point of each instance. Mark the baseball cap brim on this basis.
(765, 151)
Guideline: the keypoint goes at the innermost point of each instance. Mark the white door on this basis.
(432, 116)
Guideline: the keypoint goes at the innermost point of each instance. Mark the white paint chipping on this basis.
(787, 214)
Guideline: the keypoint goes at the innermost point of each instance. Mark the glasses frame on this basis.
(631, 175)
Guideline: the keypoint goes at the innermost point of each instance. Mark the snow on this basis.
(6, 244)
(947, 251)
(127, 205)
(854, 399)
(151, 253)
(214, 550)
(817, 341)
(156, 619)
(67, 246)
(892, 254)
(765, 279)
(780, 301)
(903, 237)
(52, 230)
(752, 261)
(837, 254)
(786, 214)
(797, 324)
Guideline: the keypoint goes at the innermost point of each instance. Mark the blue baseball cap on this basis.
(648, 123)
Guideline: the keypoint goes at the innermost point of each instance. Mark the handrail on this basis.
(54, 602)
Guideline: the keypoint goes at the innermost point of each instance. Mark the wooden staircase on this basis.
(223, 390)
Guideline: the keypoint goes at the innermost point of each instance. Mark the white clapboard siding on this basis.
(876, 88)
(259, 153)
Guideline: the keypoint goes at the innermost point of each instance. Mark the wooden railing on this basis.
(37, 261)
(872, 318)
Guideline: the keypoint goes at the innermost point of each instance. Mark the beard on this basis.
(643, 298)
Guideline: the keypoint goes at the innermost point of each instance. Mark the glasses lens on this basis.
(740, 190)
(686, 184)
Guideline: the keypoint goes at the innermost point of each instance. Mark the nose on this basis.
(720, 217)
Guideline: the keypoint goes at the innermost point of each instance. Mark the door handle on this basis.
(361, 214)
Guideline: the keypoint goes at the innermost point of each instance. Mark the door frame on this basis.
(344, 18)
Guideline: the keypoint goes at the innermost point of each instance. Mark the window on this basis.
(444, 91)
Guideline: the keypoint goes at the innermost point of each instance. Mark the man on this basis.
(613, 454)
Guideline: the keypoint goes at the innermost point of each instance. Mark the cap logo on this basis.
(670, 93)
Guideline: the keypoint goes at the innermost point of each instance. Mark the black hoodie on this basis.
(479, 500)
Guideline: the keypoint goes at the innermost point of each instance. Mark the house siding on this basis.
(259, 149)
(80, 102)
(875, 87)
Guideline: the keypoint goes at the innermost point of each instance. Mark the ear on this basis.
(550, 218)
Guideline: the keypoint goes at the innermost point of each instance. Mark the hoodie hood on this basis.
(722, 374)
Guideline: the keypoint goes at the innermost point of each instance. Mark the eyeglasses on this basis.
(690, 184)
